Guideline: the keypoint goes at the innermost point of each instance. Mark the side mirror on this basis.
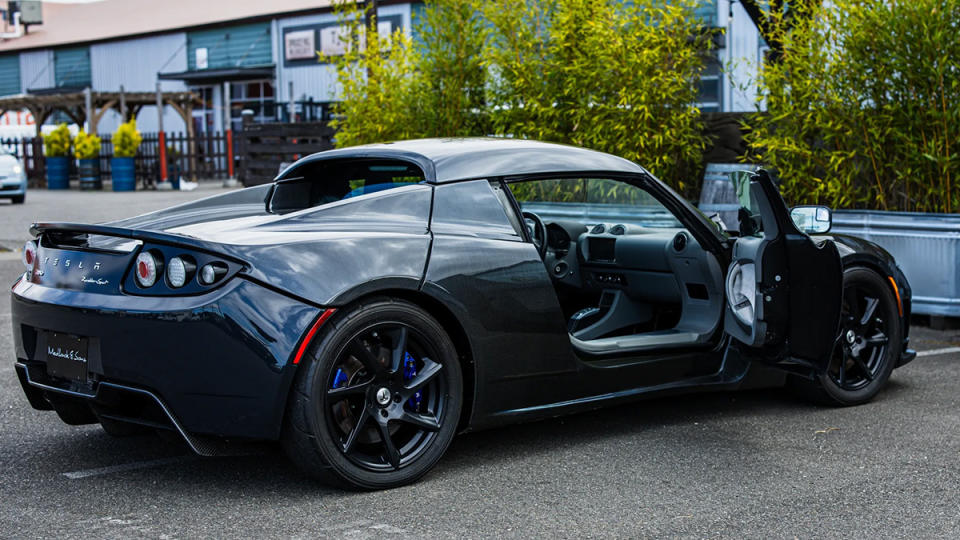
(812, 219)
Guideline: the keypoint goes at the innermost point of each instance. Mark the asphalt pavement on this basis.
(743, 464)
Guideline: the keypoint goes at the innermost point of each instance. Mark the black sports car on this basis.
(372, 302)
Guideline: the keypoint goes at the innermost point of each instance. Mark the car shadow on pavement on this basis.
(89, 448)
(660, 419)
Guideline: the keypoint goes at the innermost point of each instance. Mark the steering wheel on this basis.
(537, 232)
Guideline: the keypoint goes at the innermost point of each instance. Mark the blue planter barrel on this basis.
(89, 172)
(124, 178)
(58, 172)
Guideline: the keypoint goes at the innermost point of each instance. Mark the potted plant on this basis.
(126, 140)
(56, 148)
(86, 147)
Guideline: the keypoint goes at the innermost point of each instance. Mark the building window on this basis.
(203, 112)
(257, 96)
(710, 93)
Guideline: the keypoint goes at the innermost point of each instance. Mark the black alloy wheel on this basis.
(863, 340)
(385, 398)
(867, 345)
(379, 402)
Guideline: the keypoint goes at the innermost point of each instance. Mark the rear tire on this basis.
(867, 345)
(377, 401)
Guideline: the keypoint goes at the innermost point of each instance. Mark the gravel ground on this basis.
(744, 464)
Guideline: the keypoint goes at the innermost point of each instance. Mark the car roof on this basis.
(448, 160)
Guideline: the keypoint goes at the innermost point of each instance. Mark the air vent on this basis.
(598, 229)
(618, 230)
(679, 242)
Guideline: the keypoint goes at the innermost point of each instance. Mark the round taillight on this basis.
(207, 274)
(179, 270)
(146, 269)
(29, 254)
(211, 273)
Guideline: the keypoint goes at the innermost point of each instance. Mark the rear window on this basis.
(323, 182)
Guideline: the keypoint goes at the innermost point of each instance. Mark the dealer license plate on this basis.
(67, 356)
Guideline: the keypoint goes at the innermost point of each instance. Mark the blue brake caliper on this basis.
(409, 372)
(339, 379)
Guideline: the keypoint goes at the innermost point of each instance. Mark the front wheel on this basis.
(378, 402)
(867, 346)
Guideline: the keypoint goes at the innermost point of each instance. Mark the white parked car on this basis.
(13, 177)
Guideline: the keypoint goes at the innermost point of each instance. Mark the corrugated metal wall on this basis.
(741, 57)
(36, 70)
(233, 46)
(318, 81)
(134, 63)
(72, 66)
(9, 74)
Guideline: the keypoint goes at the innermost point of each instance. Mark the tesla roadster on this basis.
(372, 302)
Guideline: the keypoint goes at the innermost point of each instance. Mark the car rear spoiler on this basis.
(153, 237)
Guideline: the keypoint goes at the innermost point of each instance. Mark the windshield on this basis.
(593, 200)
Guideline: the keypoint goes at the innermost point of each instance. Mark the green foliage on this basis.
(378, 89)
(126, 140)
(614, 75)
(86, 145)
(863, 108)
(452, 93)
(57, 143)
(394, 89)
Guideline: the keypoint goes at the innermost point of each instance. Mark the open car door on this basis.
(784, 291)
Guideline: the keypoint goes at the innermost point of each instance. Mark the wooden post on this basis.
(123, 105)
(293, 105)
(231, 180)
(192, 139)
(161, 140)
(372, 6)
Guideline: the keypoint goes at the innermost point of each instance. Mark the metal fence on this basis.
(927, 249)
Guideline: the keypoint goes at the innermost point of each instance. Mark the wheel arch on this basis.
(901, 292)
(882, 270)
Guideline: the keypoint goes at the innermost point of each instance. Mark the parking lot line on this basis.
(86, 473)
(932, 352)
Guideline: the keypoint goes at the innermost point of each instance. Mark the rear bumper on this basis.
(217, 364)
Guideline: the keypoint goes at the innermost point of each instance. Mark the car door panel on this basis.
(783, 289)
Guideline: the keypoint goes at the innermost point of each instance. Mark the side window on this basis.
(592, 200)
(748, 217)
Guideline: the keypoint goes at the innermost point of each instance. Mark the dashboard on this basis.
(650, 264)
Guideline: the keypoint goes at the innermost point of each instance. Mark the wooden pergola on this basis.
(75, 105)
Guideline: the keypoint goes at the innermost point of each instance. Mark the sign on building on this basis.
(201, 58)
(333, 40)
(300, 45)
